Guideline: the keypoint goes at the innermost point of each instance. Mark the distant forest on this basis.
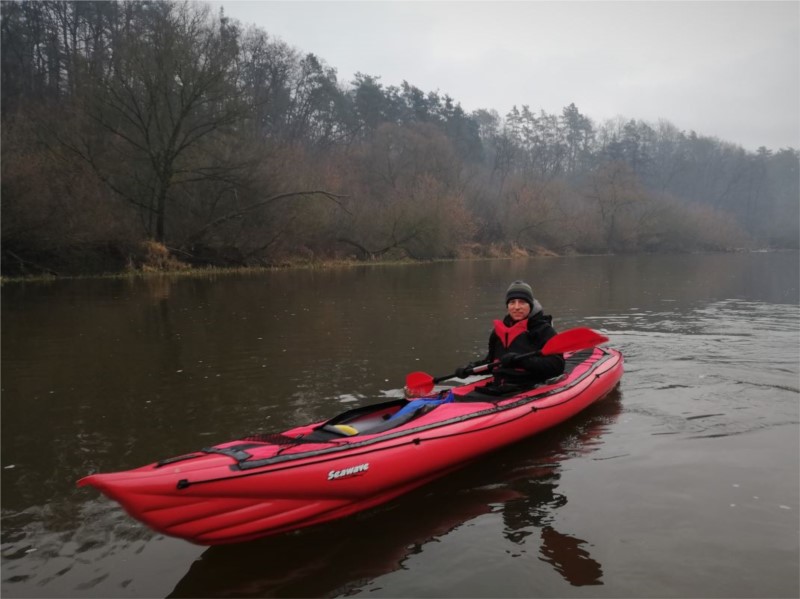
(139, 135)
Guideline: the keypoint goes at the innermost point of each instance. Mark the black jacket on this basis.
(524, 338)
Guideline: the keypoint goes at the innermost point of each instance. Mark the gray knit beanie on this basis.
(520, 290)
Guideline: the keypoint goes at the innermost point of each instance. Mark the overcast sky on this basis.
(729, 69)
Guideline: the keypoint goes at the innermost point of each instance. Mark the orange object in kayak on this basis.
(268, 484)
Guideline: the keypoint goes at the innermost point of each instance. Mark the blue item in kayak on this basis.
(424, 402)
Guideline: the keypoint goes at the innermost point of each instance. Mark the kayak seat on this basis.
(409, 411)
(328, 432)
(400, 419)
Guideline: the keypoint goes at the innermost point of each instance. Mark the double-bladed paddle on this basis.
(421, 383)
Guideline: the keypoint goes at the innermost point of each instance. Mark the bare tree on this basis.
(616, 194)
(168, 93)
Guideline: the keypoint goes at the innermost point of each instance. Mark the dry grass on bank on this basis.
(155, 259)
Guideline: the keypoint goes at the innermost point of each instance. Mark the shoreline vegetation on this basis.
(175, 268)
(165, 136)
(160, 262)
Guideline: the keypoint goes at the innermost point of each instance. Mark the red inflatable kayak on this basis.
(267, 484)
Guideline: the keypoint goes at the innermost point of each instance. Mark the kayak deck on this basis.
(270, 483)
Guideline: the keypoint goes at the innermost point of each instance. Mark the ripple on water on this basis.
(733, 367)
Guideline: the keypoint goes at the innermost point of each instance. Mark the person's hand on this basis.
(508, 360)
(463, 372)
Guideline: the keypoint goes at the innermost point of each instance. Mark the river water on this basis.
(682, 483)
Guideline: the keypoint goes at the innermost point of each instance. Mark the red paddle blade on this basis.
(573, 340)
(419, 382)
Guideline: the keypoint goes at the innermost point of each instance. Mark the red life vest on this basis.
(507, 334)
(523, 337)
(513, 338)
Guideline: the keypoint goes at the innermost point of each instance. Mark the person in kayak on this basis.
(525, 329)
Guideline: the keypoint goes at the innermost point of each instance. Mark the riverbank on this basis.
(159, 261)
(162, 263)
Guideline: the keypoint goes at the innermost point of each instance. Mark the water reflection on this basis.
(567, 554)
(103, 375)
(539, 499)
(340, 558)
(569, 557)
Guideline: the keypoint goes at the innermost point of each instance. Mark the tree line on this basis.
(162, 133)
